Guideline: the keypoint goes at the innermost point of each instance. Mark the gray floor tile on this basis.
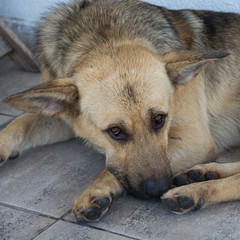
(6, 64)
(149, 220)
(4, 119)
(15, 224)
(68, 231)
(48, 179)
(13, 81)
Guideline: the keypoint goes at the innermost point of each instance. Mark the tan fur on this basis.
(115, 76)
(46, 75)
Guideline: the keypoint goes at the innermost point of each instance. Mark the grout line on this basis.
(8, 122)
(5, 124)
(61, 219)
(7, 115)
(44, 229)
(98, 228)
(28, 211)
(65, 214)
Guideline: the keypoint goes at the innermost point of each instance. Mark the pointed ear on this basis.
(182, 66)
(58, 98)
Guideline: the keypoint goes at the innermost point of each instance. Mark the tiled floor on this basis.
(37, 191)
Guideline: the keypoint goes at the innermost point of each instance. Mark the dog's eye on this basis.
(117, 133)
(158, 121)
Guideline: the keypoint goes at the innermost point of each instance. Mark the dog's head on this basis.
(121, 100)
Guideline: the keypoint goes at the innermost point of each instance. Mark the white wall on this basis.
(29, 11)
(215, 5)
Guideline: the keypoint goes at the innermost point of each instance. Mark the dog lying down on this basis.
(156, 90)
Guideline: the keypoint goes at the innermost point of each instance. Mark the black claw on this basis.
(2, 158)
(112, 196)
(104, 203)
(14, 156)
(185, 202)
(195, 175)
(199, 205)
(171, 204)
(180, 180)
(92, 213)
(210, 176)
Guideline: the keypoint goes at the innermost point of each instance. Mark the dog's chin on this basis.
(137, 194)
(143, 195)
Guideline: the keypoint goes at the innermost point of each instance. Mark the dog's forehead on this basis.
(122, 94)
(129, 79)
(138, 86)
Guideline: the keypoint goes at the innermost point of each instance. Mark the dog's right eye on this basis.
(117, 133)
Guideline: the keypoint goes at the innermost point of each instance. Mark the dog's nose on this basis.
(156, 187)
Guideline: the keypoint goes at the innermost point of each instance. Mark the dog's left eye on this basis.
(117, 133)
(158, 121)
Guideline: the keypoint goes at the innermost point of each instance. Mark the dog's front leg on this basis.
(31, 130)
(96, 200)
(204, 184)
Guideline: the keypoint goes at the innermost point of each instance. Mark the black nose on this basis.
(155, 187)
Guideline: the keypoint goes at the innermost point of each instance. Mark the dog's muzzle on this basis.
(155, 188)
(146, 189)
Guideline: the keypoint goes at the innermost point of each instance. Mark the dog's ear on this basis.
(182, 66)
(58, 98)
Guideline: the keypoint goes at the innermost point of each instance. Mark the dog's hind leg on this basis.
(201, 194)
(205, 172)
(30, 130)
(96, 200)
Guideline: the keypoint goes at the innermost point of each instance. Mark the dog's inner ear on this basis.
(182, 66)
(54, 99)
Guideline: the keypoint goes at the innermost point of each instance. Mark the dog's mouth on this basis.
(150, 188)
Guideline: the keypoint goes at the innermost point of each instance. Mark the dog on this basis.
(156, 90)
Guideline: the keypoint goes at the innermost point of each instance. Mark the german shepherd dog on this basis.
(158, 91)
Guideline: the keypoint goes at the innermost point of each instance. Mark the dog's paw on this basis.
(198, 173)
(183, 199)
(6, 152)
(91, 206)
(5, 157)
(9, 144)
